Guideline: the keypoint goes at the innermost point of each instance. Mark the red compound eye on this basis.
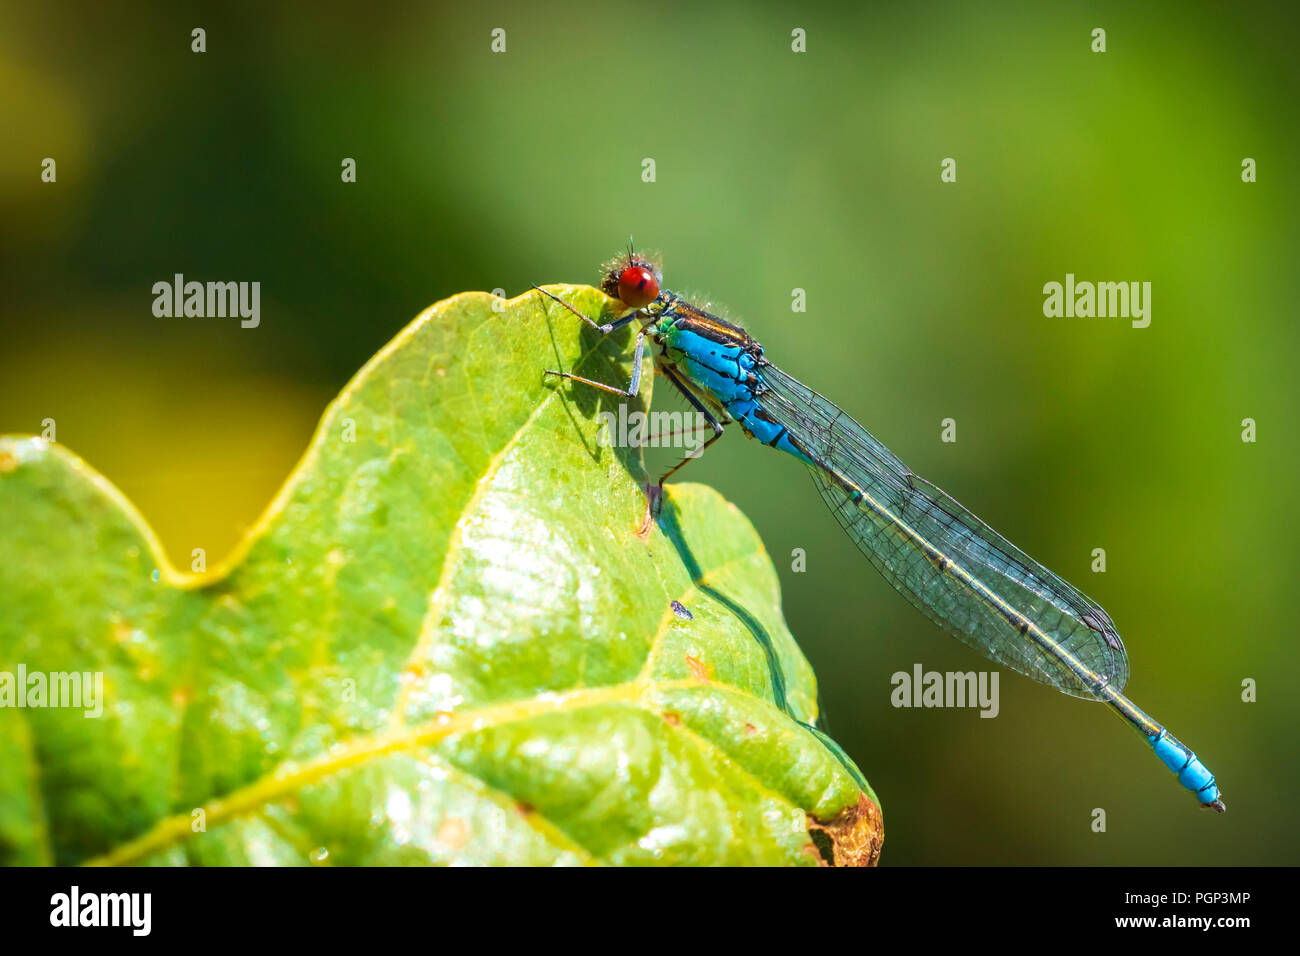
(637, 287)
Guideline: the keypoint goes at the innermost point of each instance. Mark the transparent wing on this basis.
(906, 507)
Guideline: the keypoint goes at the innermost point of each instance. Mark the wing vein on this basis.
(949, 564)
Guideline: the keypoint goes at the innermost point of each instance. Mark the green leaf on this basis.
(443, 642)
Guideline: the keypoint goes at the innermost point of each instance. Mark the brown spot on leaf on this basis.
(852, 838)
(672, 718)
(750, 729)
(697, 668)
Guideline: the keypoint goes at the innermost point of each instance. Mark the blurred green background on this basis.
(775, 170)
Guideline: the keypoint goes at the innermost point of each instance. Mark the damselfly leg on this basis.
(608, 327)
(654, 490)
(654, 493)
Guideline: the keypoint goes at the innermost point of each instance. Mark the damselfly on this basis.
(954, 568)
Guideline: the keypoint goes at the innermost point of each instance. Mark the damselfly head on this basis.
(633, 278)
